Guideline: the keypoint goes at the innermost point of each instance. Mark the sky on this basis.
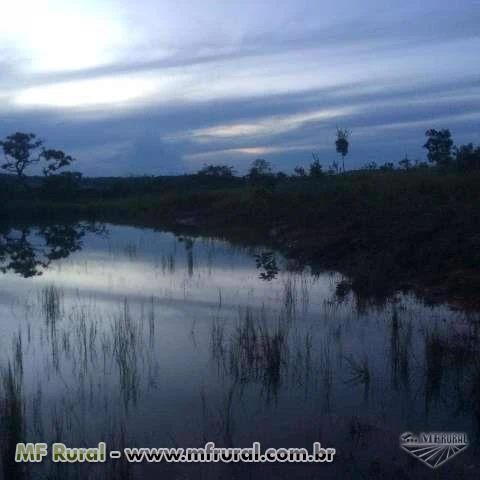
(164, 87)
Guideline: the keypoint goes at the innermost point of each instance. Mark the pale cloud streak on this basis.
(266, 126)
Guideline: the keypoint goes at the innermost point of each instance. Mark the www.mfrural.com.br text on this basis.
(60, 453)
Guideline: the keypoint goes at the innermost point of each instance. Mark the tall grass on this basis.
(400, 350)
(253, 352)
(125, 335)
(359, 372)
(51, 298)
(12, 412)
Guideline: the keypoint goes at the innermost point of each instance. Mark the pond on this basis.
(144, 338)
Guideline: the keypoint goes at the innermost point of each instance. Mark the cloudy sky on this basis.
(164, 86)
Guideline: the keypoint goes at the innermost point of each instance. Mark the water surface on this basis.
(144, 338)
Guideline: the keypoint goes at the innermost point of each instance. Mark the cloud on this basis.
(151, 89)
(267, 126)
(96, 93)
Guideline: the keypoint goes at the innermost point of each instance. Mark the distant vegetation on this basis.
(22, 151)
(411, 224)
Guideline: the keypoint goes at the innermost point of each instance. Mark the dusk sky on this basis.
(161, 87)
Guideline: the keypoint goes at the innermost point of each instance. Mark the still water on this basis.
(141, 338)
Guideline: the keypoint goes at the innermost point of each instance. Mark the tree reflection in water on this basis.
(28, 250)
(267, 262)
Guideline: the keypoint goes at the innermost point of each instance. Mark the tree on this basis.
(467, 157)
(259, 168)
(299, 171)
(333, 168)
(21, 150)
(439, 146)
(315, 167)
(370, 166)
(56, 159)
(406, 163)
(342, 144)
(387, 167)
(217, 171)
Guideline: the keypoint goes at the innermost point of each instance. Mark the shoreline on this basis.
(398, 231)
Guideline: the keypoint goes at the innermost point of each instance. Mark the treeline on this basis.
(24, 151)
(441, 153)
